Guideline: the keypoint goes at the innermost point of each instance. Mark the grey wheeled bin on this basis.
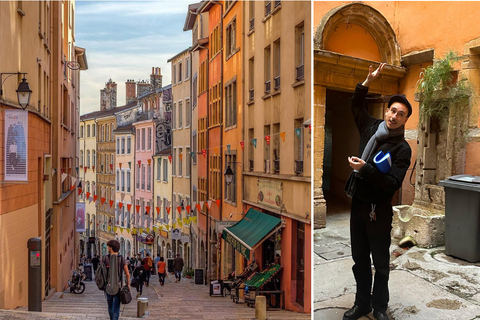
(462, 217)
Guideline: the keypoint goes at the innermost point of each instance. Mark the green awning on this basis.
(251, 231)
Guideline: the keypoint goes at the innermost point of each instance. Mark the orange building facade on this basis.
(351, 36)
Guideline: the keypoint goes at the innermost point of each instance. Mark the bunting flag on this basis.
(228, 147)
(121, 229)
(103, 200)
(148, 209)
(80, 191)
(209, 204)
(148, 230)
(111, 203)
(170, 159)
(201, 205)
(89, 200)
(140, 230)
(120, 165)
(298, 132)
(149, 162)
(109, 228)
(218, 203)
(282, 135)
(95, 197)
(139, 162)
(180, 224)
(174, 225)
(74, 181)
(122, 196)
(254, 142)
(181, 156)
(242, 144)
(137, 208)
(267, 138)
(80, 184)
(168, 209)
(88, 195)
(179, 209)
(188, 209)
(158, 210)
(85, 169)
(111, 166)
(204, 152)
(310, 128)
(93, 167)
(199, 208)
(194, 219)
(129, 206)
(120, 205)
(185, 221)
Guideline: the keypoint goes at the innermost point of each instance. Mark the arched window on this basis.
(88, 158)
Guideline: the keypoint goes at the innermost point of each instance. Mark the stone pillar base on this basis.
(426, 226)
(319, 214)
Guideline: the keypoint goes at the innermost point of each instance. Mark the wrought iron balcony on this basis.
(277, 83)
(267, 86)
(298, 166)
(276, 166)
(300, 72)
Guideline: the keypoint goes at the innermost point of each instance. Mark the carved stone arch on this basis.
(368, 18)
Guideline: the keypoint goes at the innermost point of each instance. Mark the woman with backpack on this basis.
(115, 265)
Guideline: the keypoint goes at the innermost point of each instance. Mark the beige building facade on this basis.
(181, 148)
(33, 200)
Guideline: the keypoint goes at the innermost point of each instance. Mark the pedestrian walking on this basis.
(372, 192)
(148, 267)
(161, 270)
(154, 269)
(139, 275)
(116, 265)
(178, 267)
(95, 262)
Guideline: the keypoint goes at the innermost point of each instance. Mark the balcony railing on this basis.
(250, 164)
(252, 23)
(267, 86)
(300, 72)
(268, 8)
(298, 166)
(277, 3)
(266, 166)
(276, 166)
(251, 94)
(277, 83)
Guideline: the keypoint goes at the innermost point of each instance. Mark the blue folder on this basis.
(383, 161)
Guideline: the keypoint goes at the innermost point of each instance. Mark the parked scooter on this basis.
(76, 284)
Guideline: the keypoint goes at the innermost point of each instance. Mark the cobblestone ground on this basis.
(173, 301)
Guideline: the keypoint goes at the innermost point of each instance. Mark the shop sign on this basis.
(220, 225)
(176, 234)
(163, 233)
(270, 193)
(185, 238)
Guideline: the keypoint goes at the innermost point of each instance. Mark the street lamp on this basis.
(228, 175)
(23, 92)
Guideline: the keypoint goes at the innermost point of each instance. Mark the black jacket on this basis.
(372, 185)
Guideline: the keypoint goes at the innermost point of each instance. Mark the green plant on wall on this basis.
(440, 92)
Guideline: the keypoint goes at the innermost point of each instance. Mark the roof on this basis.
(164, 152)
(109, 112)
(179, 54)
(126, 128)
(191, 16)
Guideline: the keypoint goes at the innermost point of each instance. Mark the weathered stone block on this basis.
(427, 227)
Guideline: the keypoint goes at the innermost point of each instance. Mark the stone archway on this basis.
(341, 70)
(369, 19)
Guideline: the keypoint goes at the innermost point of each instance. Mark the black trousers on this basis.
(371, 237)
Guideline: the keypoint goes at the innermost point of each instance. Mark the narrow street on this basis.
(183, 300)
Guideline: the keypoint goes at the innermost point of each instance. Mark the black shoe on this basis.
(380, 315)
(356, 312)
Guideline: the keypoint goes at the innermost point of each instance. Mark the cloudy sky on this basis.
(124, 40)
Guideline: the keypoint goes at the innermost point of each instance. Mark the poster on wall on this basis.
(16, 145)
(80, 217)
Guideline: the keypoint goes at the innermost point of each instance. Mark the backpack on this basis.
(101, 275)
(114, 275)
(150, 262)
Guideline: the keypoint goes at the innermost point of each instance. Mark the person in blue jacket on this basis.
(372, 192)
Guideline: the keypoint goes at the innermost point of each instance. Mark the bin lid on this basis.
(462, 181)
(465, 178)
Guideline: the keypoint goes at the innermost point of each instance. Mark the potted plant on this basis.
(188, 273)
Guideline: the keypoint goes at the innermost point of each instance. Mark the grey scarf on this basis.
(383, 133)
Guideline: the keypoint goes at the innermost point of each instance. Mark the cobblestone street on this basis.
(177, 301)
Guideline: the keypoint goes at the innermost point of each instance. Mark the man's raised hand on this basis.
(372, 75)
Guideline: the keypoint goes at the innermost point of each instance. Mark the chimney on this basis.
(130, 90)
(156, 78)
